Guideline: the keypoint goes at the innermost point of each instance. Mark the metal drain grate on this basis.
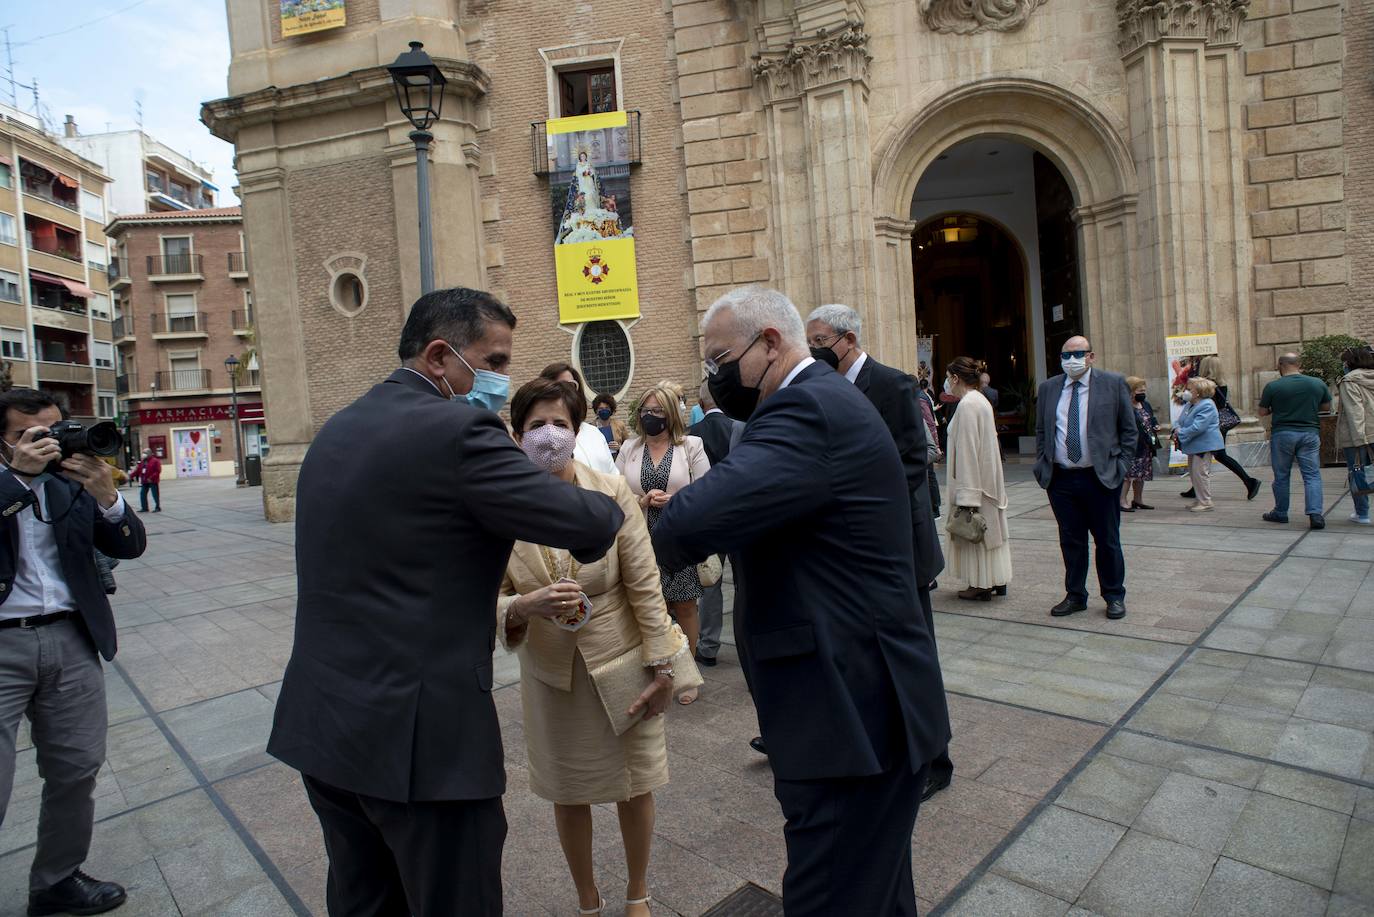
(748, 901)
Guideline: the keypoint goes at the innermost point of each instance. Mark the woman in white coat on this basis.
(975, 485)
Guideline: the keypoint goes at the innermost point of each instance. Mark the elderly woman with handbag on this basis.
(1198, 433)
(658, 462)
(599, 659)
(979, 546)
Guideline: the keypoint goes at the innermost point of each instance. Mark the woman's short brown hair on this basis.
(605, 399)
(968, 371)
(667, 401)
(1135, 382)
(1204, 387)
(541, 389)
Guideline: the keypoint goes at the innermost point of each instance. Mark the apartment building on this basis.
(183, 307)
(147, 176)
(55, 307)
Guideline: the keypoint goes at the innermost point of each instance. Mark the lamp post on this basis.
(231, 363)
(420, 93)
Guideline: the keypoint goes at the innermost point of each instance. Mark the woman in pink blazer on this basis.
(657, 462)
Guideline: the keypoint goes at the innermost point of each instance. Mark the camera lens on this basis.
(104, 439)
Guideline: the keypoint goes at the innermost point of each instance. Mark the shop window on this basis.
(14, 344)
(605, 357)
(587, 92)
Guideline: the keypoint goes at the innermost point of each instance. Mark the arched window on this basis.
(604, 356)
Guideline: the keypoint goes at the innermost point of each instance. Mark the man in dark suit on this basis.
(989, 392)
(407, 507)
(54, 619)
(716, 432)
(844, 676)
(834, 333)
(1085, 439)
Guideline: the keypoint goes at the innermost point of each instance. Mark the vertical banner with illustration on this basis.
(1184, 353)
(594, 246)
(301, 17)
(925, 355)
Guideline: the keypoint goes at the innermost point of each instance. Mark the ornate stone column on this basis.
(1184, 86)
(815, 87)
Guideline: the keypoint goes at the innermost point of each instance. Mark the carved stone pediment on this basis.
(828, 57)
(965, 17)
(1143, 22)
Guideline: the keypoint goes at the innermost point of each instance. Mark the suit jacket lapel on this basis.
(865, 375)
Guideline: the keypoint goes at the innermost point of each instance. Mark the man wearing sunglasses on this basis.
(1085, 440)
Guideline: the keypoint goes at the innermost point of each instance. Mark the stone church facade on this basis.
(1142, 168)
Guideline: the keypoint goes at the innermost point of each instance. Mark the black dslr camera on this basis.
(102, 439)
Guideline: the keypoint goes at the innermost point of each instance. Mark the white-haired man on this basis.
(834, 333)
(850, 701)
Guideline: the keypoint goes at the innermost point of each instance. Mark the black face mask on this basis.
(732, 396)
(651, 425)
(1140, 397)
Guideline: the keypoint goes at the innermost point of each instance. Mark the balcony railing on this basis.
(126, 383)
(177, 264)
(241, 320)
(123, 327)
(55, 371)
(621, 158)
(179, 323)
(44, 192)
(183, 380)
(238, 262)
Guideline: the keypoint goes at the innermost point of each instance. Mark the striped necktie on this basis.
(1073, 443)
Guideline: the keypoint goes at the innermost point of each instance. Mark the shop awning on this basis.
(67, 181)
(75, 287)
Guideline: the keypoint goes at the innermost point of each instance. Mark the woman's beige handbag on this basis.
(621, 681)
(709, 571)
(967, 524)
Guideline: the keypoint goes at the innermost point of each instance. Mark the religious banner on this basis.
(594, 246)
(301, 17)
(1184, 353)
(925, 356)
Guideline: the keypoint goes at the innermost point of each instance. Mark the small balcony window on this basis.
(9, 286)
(9, 234)
(587, 92)
(14, 344)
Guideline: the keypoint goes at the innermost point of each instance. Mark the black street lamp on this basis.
(231, 363)
(420, 93)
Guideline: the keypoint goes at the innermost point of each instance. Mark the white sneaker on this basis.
(1360, 520)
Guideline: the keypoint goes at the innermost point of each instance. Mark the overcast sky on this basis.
(170, 54)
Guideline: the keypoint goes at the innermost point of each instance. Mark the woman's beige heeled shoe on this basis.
(595, 910)
(629, 903)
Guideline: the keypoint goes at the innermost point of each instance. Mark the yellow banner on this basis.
(586, 122)
(597, 280)
(300, 17)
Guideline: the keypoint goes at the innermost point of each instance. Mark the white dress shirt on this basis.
(40, 587)
(806, 361)
(1061, 425)
(592, 449)
(852, 374)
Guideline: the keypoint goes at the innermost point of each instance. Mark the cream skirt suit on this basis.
(575, 757)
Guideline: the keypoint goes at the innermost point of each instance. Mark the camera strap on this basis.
(44, 478)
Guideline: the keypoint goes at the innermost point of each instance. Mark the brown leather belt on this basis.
(37, 620)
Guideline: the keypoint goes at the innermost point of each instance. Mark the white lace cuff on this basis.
(502, 633)
(655, 663)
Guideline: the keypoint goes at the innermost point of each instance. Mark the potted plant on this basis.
(1321, 357)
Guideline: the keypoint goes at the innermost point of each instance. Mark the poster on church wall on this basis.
(925, 356)
(301, 17)
(593, 223)
(1184, 353)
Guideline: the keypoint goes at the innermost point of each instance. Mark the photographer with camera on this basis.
(58, 505)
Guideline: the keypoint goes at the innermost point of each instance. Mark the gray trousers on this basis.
(711, 612)
(53, 675)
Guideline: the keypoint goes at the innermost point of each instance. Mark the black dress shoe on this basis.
(1315, 521)
(756, 743)
(1252, 488)
(1116, 609)
(77, 894)
(707, 661)
(1068, 607)
(1188, 494)
(935, 784)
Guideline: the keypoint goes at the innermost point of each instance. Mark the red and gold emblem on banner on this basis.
(595, 269)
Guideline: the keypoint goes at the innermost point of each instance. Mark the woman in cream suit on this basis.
(658, 462)
(974, 460)
(576, 760)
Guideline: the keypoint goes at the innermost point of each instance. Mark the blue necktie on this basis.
(1073, 444)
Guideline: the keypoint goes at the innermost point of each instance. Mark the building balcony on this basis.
(122, 330)
(66, 319)
(168, 327)
(44, 205)
(170, 268)
(79, 373)
(118, 274)
(183, 380)
(238, 265)
(62, 263)
(126, 383)
(242, 322)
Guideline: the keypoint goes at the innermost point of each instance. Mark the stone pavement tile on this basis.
(1240, 890)
(225, 735)
(1184, 759)
(1364, 803)
(1148, 877)
(1324, 747)
(1193, 812)
(143, 764)
(1336, 795)
(1339, 696)
(1199, 680)
(262, 900)
(309, 879)
(1270, 684)
(1173, 716)
(209, 872)
(1246, 730)
(1355, 875)
(1059, 852)
(994, 896)
(1291, 838)
(271, 803)
(1112, 788)
(120, 703)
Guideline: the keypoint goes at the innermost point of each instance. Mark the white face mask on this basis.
(1074, 366)
(949, 389)
(1185, 396)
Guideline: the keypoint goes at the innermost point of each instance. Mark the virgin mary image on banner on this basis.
(590, 214)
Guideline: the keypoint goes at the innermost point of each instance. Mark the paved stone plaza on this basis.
(1212, 754)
